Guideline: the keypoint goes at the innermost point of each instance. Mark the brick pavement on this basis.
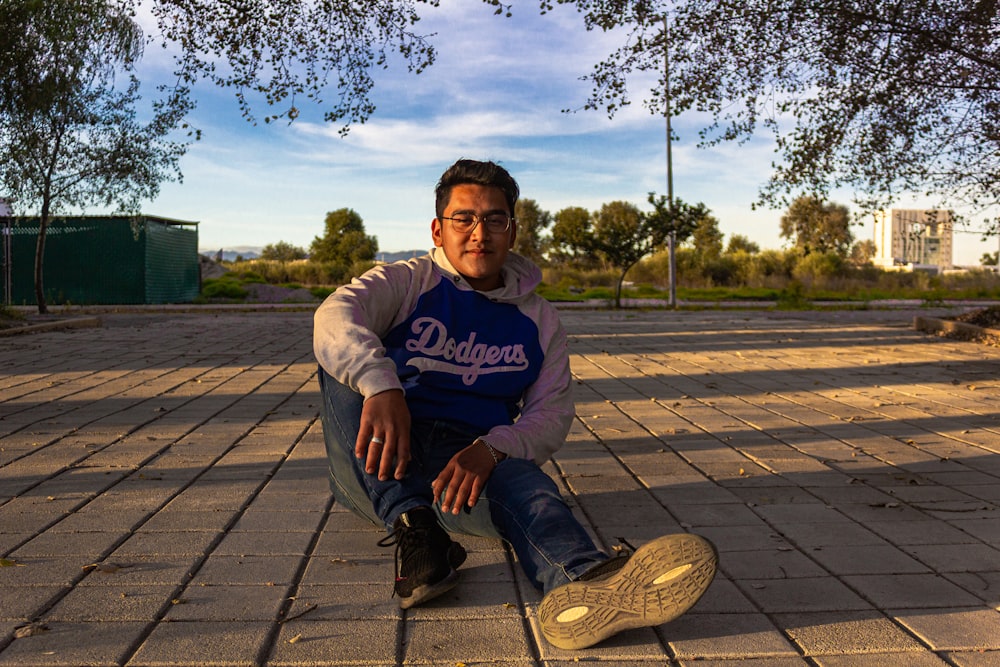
(163, 497)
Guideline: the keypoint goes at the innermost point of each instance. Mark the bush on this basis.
(818, 267)
(223, 288)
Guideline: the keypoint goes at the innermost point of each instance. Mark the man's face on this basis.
(478, 255)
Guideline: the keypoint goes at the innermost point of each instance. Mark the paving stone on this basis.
(343, 602)
(226, 602)
(483, 639)
(961, 629)
(73, 644)
(925, 532)
(310, 643)
(112, 603)
(271, 570)
(879, 559)
(905, 659)
(738, 662)
(974, 658)
(839, 633)
(910, 591)
(720, 636)
(780, 563)
(24, 603)
(144, 543)
(802, 595)
(221, 644)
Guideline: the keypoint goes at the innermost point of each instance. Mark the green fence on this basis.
(107, 260)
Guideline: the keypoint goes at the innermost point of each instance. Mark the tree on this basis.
(707, 239)
(285, 52)
(68, 132)
(282, 252)
(531, 222)
(622, 234)
(571, 240)
(817, 226)
(740, 243)
(990, 258)
(862, 252)
(874, 96)
(677, 217)
(344, 240)
(622, 237)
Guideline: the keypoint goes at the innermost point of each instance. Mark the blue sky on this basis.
(496, 92)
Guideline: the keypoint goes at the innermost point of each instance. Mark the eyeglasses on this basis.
(495, 223)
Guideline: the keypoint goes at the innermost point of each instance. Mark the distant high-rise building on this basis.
(913, 239)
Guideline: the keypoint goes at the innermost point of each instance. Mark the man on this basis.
(446, 385)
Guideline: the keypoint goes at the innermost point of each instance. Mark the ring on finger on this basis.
(377, 440)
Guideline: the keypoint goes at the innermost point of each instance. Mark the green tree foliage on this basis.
(622, 234)
(69, 133)
(740, 243)
(817, 226)
(707, 238)
(862, 252)
(282, 252)
(344, 240)
(876, 96)
(677, 217)
(571, 240)
(622, 237)
(532, 221)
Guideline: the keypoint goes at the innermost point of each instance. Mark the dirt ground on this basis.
(988, 318)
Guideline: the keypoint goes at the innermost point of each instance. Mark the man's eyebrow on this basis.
(467, 211)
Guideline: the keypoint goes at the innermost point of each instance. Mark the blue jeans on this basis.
(520, 503)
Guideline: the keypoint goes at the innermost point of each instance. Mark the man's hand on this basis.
(464, 478)
(384, 436)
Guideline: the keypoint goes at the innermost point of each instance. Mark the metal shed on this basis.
(90, 260)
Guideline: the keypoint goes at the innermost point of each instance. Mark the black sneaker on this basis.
(654, 585)
(426, 557)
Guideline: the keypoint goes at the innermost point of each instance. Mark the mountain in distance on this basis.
(253, 252)
(389, 257)
(230, 254)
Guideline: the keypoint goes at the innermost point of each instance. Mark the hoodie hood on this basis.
(520, 277)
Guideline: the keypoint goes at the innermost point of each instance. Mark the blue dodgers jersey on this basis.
(462, 357)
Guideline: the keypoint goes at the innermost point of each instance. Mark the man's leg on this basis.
(426, 557)
(589, 596)
(381, 502)
(530, 513)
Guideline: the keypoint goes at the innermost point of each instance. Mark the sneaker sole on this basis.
(662, 580)
(421, 594)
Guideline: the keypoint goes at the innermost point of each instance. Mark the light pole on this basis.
(672, 236)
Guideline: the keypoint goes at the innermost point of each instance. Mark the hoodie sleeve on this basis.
(547, 411)
(349, 324)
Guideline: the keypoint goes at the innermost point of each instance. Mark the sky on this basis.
(497, 91)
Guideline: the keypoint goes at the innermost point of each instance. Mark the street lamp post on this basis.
(672, 236)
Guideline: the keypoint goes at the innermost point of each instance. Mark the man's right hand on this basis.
(384, 436)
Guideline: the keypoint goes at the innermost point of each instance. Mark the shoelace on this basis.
(398, 537)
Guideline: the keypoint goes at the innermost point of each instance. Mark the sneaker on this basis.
(654, 585)
(426, 557)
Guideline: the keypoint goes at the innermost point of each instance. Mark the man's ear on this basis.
(436, 233)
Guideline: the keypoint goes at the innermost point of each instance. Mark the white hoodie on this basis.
(496, 361)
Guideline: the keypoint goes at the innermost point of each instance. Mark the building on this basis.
(91, 260)
(914, 239)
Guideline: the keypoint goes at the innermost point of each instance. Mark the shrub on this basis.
(223, 288)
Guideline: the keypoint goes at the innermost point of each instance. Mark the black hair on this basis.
(474, 172)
